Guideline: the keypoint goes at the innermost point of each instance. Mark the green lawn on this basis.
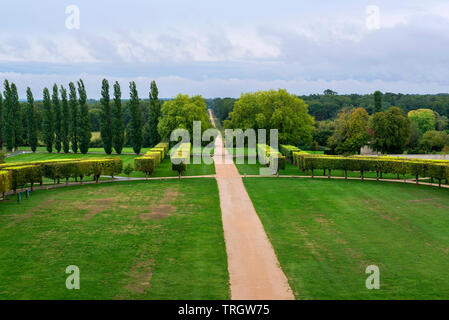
(326, 232)
(131, 240)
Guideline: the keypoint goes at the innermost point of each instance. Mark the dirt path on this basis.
(254, 270)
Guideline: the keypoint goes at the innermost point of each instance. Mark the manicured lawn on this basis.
(326, 232)
(131, 240)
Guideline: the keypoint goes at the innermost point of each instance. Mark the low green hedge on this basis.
(287, 150)
(5, 181)
(20, 174)
(151, 160)
(435, 169)
(269, 154)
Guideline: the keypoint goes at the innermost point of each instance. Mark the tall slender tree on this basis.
(74, 115)
(106, 118)
(1, 121)
(47, 123)
(57, 117)
(154, 113)
(136, 118)
(8, 118)
(65, 125)
(31, 121)
(118, 137)
(17, 117)
(377, 101)
(84, 131)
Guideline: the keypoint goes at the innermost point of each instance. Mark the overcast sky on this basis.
(222, 48)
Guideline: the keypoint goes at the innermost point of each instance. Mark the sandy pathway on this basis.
(253, 267)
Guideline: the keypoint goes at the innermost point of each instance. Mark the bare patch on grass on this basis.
(140, 277)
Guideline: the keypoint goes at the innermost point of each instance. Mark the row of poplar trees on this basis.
(66, 120)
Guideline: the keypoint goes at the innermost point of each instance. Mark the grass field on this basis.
(326, 232)
(131, 240)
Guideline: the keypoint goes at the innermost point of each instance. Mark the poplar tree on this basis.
(8, 118)
(136, 118)
(74, 114)
(31, 121)
(151, 134)
(84, 132)
(17, 117)
(377, 101)
(47, 122)
(65, 124)
(118, 137)
(57, 117)
(106, 118)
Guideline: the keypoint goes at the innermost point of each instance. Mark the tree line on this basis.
(62, 121)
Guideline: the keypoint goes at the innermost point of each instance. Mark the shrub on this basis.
(128, 170)
(180, 158)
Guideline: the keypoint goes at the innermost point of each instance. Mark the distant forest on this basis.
(327, 105)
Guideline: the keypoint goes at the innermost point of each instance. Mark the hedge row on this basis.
(180, 158)
(151, 160)
(5, 178)
(288, 151)
(435, 169)
(269, 154)
(20, 174)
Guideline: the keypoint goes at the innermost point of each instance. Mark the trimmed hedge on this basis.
(5, 181)
(435, 169)
(180, 158)
(287, 151)
(269, 154)
(20, 174)
(152, 159)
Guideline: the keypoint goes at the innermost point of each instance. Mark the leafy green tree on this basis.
(65, 125)
(57, 117)
(106, 118)
(180, 113)
(323, 131)
(424, 118)
(74, 117)
(84, 132)
(118, 137)
(391, 131)
(377, 101)
(274, 110)
(8, 118)
(47, 125)
(136, 118)
(434, 140)
(31, 121)
(415, 136)
(154, 113)
(351, 131)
